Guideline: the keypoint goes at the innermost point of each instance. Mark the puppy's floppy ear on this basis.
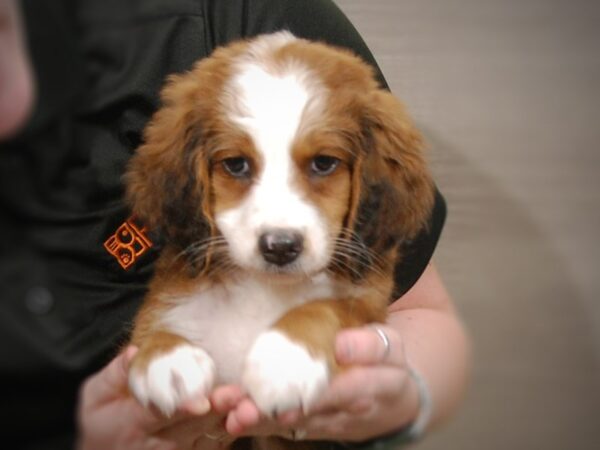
(166, 178)
(393, 191)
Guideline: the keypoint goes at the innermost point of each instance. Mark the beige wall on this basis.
(508, 94)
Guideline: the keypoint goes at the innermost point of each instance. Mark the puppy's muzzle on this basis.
(280, 246)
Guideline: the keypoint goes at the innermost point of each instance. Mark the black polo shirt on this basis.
(66, 303)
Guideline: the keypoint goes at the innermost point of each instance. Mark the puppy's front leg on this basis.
(290, 365)
(168, 371)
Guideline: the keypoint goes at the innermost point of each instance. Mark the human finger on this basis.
(105, 396)
(246, 420)
(109, 383)
(370, 345)
(237, 424)
(358, 388)
(225, 398)
(246, 415)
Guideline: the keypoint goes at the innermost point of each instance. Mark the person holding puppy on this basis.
(67, 301)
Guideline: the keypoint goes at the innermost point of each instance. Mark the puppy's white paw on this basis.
(281, 375)
(172, 378)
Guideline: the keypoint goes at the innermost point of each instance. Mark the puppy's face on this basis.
(282, 190)
(283, 152)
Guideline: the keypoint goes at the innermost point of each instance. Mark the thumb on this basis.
(370, 345)
(109, 383)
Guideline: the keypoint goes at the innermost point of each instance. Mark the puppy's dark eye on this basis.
(323, 165)
(237, 167)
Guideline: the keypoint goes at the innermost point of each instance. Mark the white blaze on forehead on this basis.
(270, 108)
(270, 100)
(274, 103)
(273, 107)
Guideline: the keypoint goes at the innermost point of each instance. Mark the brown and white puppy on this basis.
(284, 181)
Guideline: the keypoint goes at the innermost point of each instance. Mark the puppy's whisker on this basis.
(360, 250)
(353, 240)
(212, 253)
(351, 237)
(199, 246)
(342, 264)
(213, 244)
(197, 252)
(204, 244)
(346, 255)
(351, 250)
(351, 233)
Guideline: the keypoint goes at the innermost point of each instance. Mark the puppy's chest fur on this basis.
(225, 319)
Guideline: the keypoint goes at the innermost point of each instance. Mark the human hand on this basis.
(109, 418)
(375, 396)
(17, 87)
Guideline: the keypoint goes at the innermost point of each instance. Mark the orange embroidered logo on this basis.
(128, 243)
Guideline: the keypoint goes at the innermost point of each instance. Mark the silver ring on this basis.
(386, 342)
(298, 434)
(215, 437)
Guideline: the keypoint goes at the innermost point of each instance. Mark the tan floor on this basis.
(508, 94)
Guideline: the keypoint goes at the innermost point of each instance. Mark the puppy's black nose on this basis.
(280, 247)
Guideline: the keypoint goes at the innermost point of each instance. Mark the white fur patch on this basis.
(173, 378)
(226, 319)
(281, 375)
(274, 106)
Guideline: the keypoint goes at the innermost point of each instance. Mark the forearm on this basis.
(436, 344)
